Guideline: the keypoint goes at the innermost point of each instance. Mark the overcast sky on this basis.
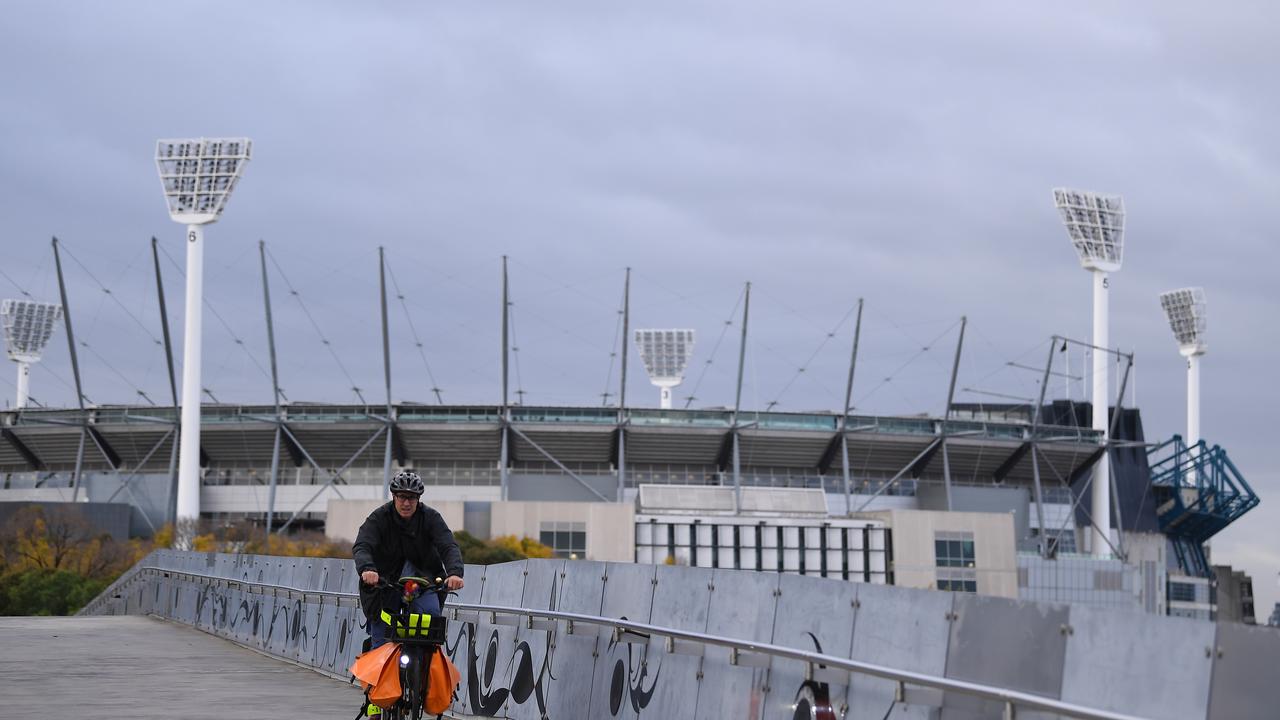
(824, 151)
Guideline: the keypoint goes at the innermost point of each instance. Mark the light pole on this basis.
(665, 354)
(1185, 309)
(27, 328)
(1095, 224)
(198, 176)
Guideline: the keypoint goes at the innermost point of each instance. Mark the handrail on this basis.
(1009, 698)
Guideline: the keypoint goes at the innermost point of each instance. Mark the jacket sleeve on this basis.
(446, 546)
(365, 544)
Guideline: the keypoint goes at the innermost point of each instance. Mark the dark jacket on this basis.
(386, 541)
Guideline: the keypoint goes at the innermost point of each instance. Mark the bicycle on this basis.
(419, 637)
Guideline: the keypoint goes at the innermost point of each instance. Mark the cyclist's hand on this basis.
(369, 577)
(453, 582)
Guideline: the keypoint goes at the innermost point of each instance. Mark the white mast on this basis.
(1095, 224)
(1186, 310)
(198, 176)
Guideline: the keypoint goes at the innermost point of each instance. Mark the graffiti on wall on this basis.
(498, 678)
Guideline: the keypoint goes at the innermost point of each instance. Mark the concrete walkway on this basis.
(136, 667)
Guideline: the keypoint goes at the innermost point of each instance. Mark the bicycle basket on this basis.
(416, 628)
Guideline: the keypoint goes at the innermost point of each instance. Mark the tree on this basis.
(59, 538)
(498, 550)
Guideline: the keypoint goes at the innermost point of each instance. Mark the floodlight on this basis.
(197, 176)
(1186, 308)
(27, 328)
(1095, 224)
(665, 354)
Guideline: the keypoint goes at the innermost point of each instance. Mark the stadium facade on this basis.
(992, 500)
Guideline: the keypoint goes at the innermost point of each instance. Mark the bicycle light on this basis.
(404, 659)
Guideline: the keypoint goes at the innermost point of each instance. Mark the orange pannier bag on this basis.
(368, 666)
(380, 669)
(444, 678)
(387, 691)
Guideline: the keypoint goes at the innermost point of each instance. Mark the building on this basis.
(992, 500)
(1234, 594)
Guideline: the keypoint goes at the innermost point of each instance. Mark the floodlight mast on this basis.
(1186, 310)
(27, 328)
(1095, 224)
(198, 176)
(665, 354)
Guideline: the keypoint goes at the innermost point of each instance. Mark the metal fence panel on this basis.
(742, 605)
(460, 642)
(623, 686)
(1032, 642)
(814, 614)
(573, 659)
(681, 599)
(532, 680)
(900, 628)
(1128, 662)
(309, 575)
(489, 653)
(1246, 683)
(1108, 663)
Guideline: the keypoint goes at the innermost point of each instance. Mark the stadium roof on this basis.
(241, 436)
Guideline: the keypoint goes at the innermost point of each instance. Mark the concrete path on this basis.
(85, 668)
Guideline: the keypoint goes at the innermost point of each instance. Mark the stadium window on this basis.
(956, 561)
(566, 539)
(954, 550)
(1182, 592)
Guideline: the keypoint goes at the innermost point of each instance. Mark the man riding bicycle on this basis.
(399, 539)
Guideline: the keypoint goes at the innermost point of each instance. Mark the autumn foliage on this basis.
(52, 561)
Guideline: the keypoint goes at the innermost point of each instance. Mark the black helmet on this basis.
(407, 481)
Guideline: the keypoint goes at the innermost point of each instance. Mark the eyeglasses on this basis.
(405, 497)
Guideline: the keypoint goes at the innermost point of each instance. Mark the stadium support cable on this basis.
(320, 333)
(417, 341)
(724, 329)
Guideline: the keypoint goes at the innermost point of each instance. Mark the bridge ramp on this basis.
(140, 668)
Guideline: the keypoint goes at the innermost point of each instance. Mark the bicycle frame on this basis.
(418, 636)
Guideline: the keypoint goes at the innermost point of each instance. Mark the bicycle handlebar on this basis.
(424, 586)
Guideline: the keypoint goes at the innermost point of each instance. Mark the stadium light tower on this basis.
(665, 354)
(27, 328)
(1185, 308)
(1095, 224)
(198, 176)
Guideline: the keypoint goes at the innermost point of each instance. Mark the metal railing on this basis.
(819, 666)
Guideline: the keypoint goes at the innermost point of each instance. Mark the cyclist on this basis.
(403, 538)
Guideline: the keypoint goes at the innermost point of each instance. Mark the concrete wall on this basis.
(109, 518)
(344, 517)
(914, 561)
(610, 527)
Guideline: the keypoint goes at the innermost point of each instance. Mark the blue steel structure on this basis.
(1199, 492)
